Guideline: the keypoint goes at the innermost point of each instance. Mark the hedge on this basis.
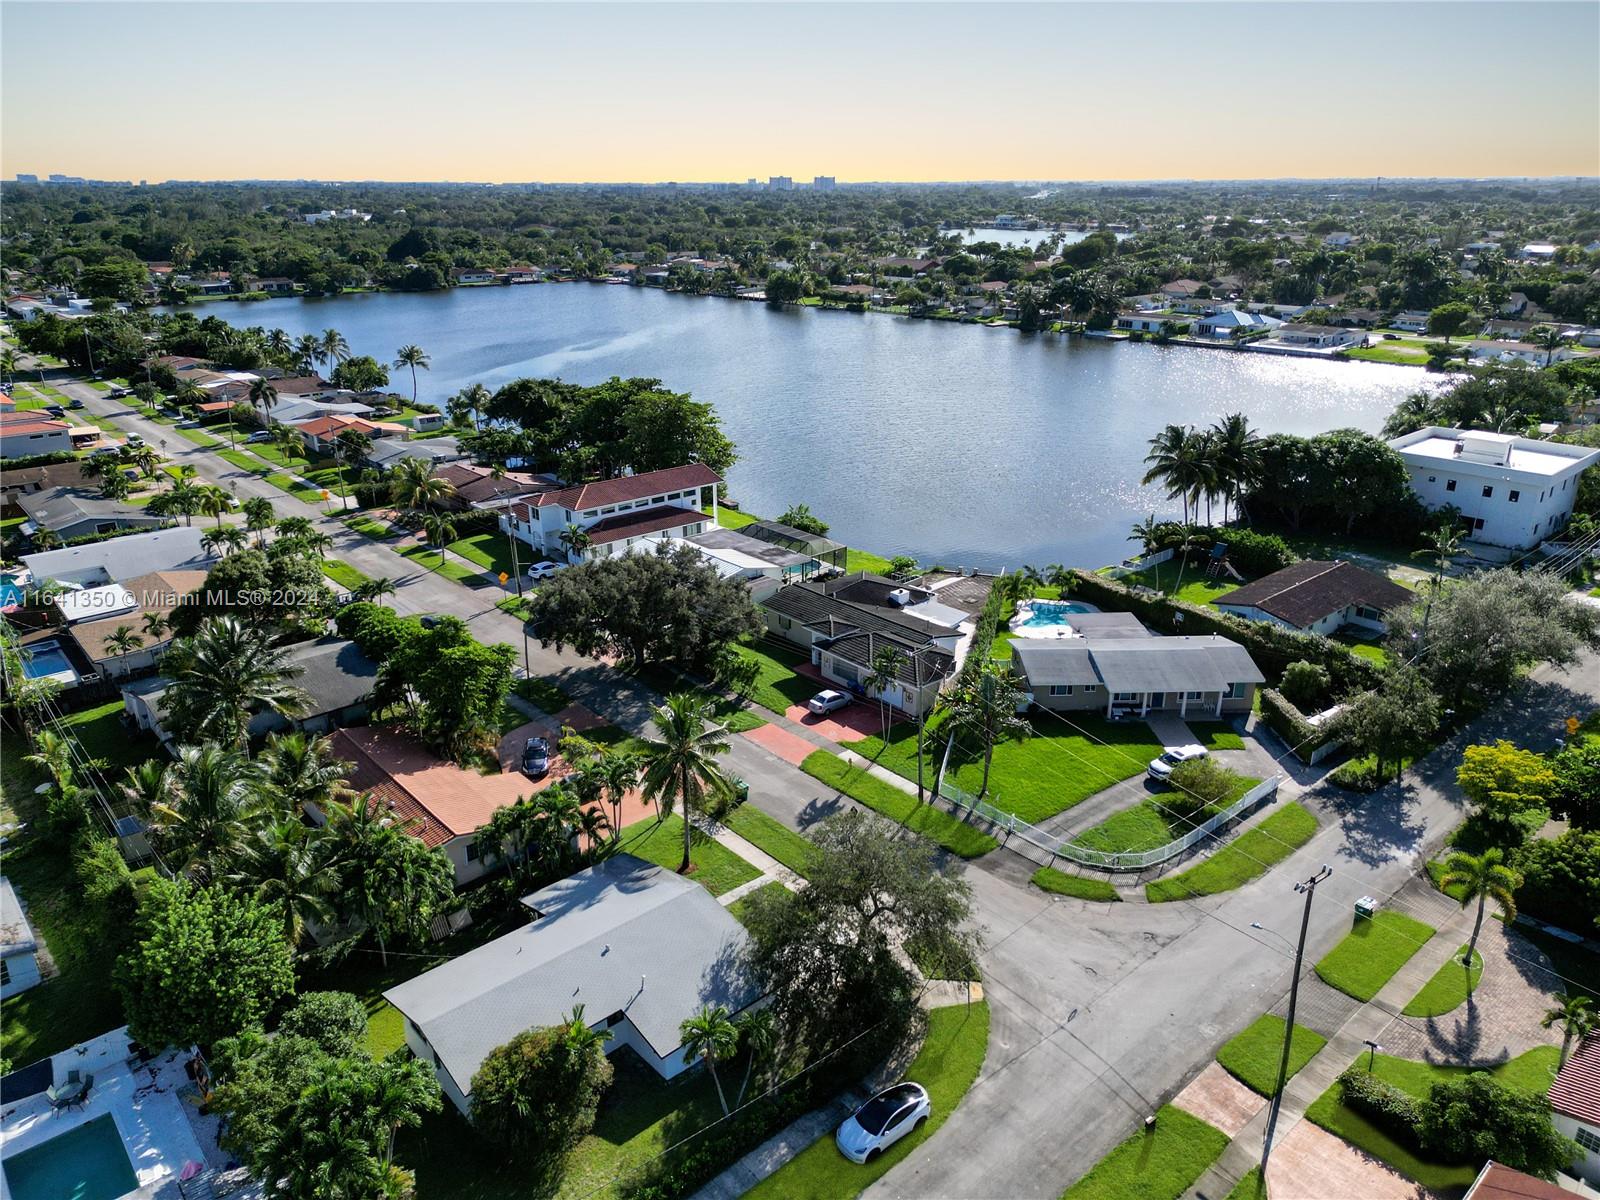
(1289, 723)
(1396, 1112)
(23, 462)
(1271, 646)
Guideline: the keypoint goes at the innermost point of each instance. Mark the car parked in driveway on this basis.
(536, 758)
(543, 570)
(1160, 769)
(827, 701)
(883, 1121)
(261, 435)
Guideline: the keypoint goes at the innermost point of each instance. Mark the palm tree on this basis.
(262, 398)
(155, 625)
(303, 771)
(1547, 339)
(215, 796)
(220, 676)
(290, 442)
(413, 357)
(576, 539)
(1170, 457)
(988, 709)
(334, 348)
(620, 773)
(886, 665)
(183, 497)
(1237, 457)
(280, 861)
(414, 487)
(440, 531)
(124, 641)
(307, 351)
(712, 1036)
(399, 1097)
(147, 785)
(759, 1033)
(258, 517)
(374, 589)
(351, 446)
(223, 540)
(1575, 1015)
(679, 768)
(212, 501)
(1147, 533)
(1481, 877)
(8, 366)
(472, 401)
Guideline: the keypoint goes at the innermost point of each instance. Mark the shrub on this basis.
(1256, 553)
(540, 1090)
(1199, 784)
(1396, 1112)
(1305, 685)
(1561, 879)
(1477, 1117)
(336, 1021)
(25, 461)
(1289, 723)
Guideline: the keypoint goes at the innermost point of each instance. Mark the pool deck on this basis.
(157, 1132)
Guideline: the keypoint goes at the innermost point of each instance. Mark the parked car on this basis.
(135, 440)
(55, 410)
(543, 570)
(827, 701)
(260, 435)
(76, 404)
(536, 758)
(1161, 768)
(883, 1121)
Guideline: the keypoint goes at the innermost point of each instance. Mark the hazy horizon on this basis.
(887, 93)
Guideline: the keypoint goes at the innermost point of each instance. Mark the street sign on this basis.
(503, 578)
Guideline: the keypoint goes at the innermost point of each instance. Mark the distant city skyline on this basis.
(893, 93)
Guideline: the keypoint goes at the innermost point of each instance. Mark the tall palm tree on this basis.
(1547, 339)
(391, 883)
(886, 665)
(413, 357)
(263, 396)
(474, 400)
(679, 764)
(1575, 1015)
(987, 710)
(280, 861)
(440, 531)
(1171, 460)
(1237, 456)
(183, 497)
(290, 442)
(155, 625)
(224, 539)
(1147, 533)
(400, 1095)
(759, 1033)
(414, 487)
(576, 539)
(307, 351)
(147, 785)
(620, 773)
(220, 676)
(8, 366)
(215, 797)
(712, 1036)
(258, 517)
(303, 771)
(1481, 877)
(212, 501)
(351, 446)
(334, 348)
(374, 589)
(124, 640)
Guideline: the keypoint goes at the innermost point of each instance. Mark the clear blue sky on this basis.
(723, 91)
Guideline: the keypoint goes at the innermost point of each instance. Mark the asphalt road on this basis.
(1100, 1012)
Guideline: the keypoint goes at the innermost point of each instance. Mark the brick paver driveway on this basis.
(1312, 1164)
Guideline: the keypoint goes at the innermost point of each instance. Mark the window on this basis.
(1488, 490)
(1367, 614)
(5, 972)
(1193, 695)
(1061, 689)
(1587, 1138)
(1432, 478)
(1125, 697)
(1449, 485)
(473, 853)
(615, 1019)
(1514, 496)
(1236, 691)
(784, 622)
(1477, 524)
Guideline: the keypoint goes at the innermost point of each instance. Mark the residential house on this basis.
(1234, 321)
(617, 514)
(479, 487)
(1503, 329)
(1318, 337)
(19, 946)
(300, 387)
(1112, 668)
(1575, 1106)
(471, 275)
(292, 411)
(1512, 492)
(813, 545)
(1499, 1182)
(640, 948)
(522, 274)
(1183, 289)
(1411, 321)
(1319, 597)
(1148, 322)
(1340, 239)
(735, 553)
(37, 479)
(122, 558)
(1523, 352)
(94, 615)
(275, 285)
(27, 433)
(1537, 252)
(437, 451)
(71, 512)
(321, 434)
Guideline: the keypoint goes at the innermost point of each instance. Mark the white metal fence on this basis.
(1059, 847)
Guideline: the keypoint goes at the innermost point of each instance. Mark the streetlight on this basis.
(1309, 890)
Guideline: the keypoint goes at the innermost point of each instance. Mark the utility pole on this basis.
(1309, 890)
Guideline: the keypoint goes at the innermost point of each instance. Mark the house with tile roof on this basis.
(1575, 1106)
(619, 514)
(1319, 597)
(27, 433)
(157, 593)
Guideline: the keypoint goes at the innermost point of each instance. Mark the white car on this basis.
(1160, 769)
(883, 1121)
(543, 570)
(827, 701)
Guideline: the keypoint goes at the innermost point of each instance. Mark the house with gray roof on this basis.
(1118, 671)
(96, 564)
(19, 948)
(640, 948)
(390, 452)
(1318, 596)
(70, 512)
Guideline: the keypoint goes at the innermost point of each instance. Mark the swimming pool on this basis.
(48, 660)
(1044, 616)
(87, 1163)
(10, 593)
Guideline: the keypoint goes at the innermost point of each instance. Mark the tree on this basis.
(1305, 685)
(258, 517)
(988, 709)
(335, 1021)
(679, 769)
(711, 1035)
(1449, 319)
(538, 1093)
(1575, 1015)
(124, 641)
(1475, 1117)
(440, 531)
(1547, 339)
(784, 287)
(577, 541)
(1481, 877)
(280, 861)
(391, 884)
(887, 662)
(414, 487)
(205, 803)
(1503, 779)
(334, 349)
(413, 357)
(207, 964)
(1175, 463)
(1561, 878)
(220, 676)
(263, 396)
(363, 373)
(799, 516)
(1576, 797)
(1392, 719)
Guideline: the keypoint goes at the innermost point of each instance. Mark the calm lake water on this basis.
(963, 445)
(1020, 237)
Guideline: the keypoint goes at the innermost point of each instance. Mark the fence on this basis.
(1058, 847)
(1134, 565)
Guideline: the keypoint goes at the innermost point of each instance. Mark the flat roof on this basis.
(1439, 446)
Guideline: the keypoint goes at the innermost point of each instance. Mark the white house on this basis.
(1340, 238)
(1512, 492)
(1319, 337)
(95, 564)
(1538, 251)
(617, 514)
(27, 433)
(1524, 352)
(1234, 320)
(1146, 322)
(640, 948)
(19, 948)
(1575, 1107)
(1412, 321)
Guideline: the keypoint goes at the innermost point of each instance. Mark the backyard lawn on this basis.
(778, 685)
(1082, 887)
(732, 518)
(1250, 854)
(1254, 1056)
(947, 1065)
(792, 849)
(932, 822)
(1370, 954)
(1529, 1072)
(1159, 1163)
(1061, 765)
(1191, 583)
(712, 865)
(1449, 988)
(1150, 824)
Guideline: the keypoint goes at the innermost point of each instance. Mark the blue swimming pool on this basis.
(10, 592)
(48, 660)
(87, 1163)
(1042, 613)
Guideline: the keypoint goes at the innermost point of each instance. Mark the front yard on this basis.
(1372, 952)
(1150, 824)
(711, 865)
(778, 685)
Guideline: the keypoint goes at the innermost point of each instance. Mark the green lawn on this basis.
(732, 518)
(1241, 860)
(547, 695)
(713, 866)
(99, 731)
(1362, 647)
(1372, 952)
(1529, 1072)
(1194, 587)
(933, 823)
(367, 527)
(488, 549)
(1150, 825)
(1046, 774)
(1254, 1055)
(1405, 354)
(951, 1056)
(863, 560)
(343, 574)
(737, 909)
(1250, 1186)
(1449, 988)
(1000, 648)
(792, 849)
(426, 557)
(1160, 1163)
(199, 437)
(1217, 735)
(1082, 887)
(778, 686)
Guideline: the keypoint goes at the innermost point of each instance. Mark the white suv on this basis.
(1160, 769)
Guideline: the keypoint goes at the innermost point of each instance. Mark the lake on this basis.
(964, 445)
(1021, 237)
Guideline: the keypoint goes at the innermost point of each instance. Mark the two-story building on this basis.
(1512, 492)
(616, 515)
(23, 434)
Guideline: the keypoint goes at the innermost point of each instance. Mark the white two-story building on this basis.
(616, 515)
(1513, 492)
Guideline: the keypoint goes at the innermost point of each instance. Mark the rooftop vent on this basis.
(900, 597)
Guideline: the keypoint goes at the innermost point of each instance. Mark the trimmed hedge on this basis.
(23, 462)
(1396, 1112)
(1289, 723)
(1271, 646)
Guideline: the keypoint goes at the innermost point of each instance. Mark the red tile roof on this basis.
(631, 487)
(646, 520)
(27, 422)
(1576, 1091)
(1497, 1182)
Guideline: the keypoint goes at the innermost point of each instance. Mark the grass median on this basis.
(1158, 1163)
(1081, 887)
(1252, 853)
(933, 823)
(1375, 948)
(1449, 988)
(1255, 1054)
(792, 849)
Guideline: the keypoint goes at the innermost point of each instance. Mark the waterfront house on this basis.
(19, 946)
(1318, 597)
(71, 512)
(1502, 329)
(1318, 337)
(27, 433)
(1147, 322)
(1234, 321)
(275, 285)
(617, 514)
(1575, 1106)
(1411, 321)
(522, 274)
(640, 948)
(480, 487)
(1183, 289)
(1523, 352)
(471, 275)
(1123, 673)
(1511, 492)
(321, 434)
(98, 563)
(437, 451)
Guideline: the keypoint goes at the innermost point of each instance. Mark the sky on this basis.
(503, 92)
